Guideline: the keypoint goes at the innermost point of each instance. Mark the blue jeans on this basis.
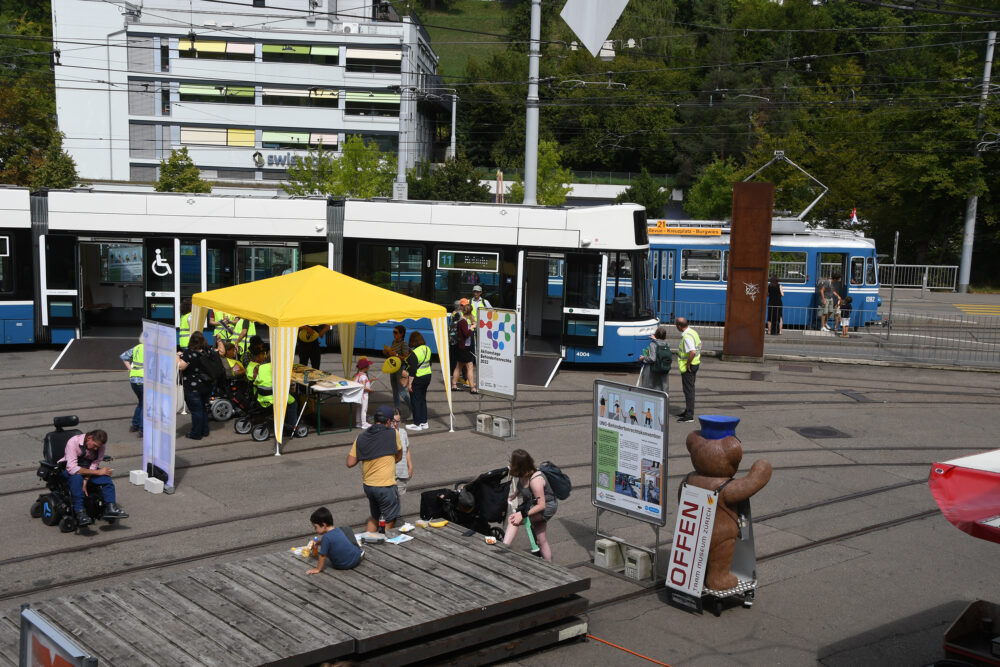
(76, 488)
(399, 393)
(137, 415)
(418, 399)
(197, 404)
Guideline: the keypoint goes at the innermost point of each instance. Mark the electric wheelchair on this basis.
(56, 506)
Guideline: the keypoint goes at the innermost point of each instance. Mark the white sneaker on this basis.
(424, 426)
(413, 427)
(365, 425)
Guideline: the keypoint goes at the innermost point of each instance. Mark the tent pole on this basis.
(277, 447)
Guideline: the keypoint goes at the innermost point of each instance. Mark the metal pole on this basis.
(454, 105)
(892, 290)
(399, 191)
(972, 203)
(531, 117)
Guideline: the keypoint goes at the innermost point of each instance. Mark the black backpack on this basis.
(453, 332)
(663, 359)
(557, 479)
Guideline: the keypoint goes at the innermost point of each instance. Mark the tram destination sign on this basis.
(467, 260)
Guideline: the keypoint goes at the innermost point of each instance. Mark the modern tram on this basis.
(689, 262)
(80, 263)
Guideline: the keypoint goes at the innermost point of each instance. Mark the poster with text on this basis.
(496, 349)
(629, 453)
(692, 539)
(159, 420)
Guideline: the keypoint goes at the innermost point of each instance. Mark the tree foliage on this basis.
(648, 192)
(178, 173)
(552, 183)
(455, 180)
(878, 103)
(360, 171)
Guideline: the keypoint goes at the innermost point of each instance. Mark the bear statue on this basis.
(716, 453)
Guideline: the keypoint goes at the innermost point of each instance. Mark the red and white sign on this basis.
(692, 538)
(968, 492)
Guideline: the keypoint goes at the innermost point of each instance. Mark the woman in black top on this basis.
(194, 363)
(464, 355)
(775, 313)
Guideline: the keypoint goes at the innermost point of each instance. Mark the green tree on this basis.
(551, 186)
(455, 180)
(361, 171)
(55, 169)
(647, 191)
(178, 173)
(711, 196)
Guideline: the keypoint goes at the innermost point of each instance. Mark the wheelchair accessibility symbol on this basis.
(160, 266)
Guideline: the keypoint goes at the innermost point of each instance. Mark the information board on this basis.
(630, 451)
(159, 420)
(692, 539)
(468, 260)
(496, 352)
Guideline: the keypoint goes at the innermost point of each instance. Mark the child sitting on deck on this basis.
(337, 544)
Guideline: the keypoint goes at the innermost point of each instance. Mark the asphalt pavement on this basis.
(856, 566)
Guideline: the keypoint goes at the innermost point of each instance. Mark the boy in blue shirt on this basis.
(337, 544)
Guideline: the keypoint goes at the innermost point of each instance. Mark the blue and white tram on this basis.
(80, 263)
(689, 263)
(566, 271)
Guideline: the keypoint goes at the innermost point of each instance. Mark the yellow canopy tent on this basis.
(318, 295)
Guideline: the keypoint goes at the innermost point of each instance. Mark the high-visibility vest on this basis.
(682, 356)
(233, 363)
(251, 331)
(423, 361)
(185, 331)
(136, 370)
(221, 333)
(265, 381)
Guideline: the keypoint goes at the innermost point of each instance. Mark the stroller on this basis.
(476, 505)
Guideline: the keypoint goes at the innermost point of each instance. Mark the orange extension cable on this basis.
(638, 655)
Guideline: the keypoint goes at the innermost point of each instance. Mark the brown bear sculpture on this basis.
(716, 461)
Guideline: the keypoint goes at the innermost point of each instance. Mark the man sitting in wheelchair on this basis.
(84, 466)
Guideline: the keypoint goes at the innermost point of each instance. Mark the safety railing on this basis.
(941, 277)
(939, 338)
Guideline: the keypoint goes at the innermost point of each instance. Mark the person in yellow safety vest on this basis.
(478, 301)
(229, 354)
(244, 329)
(184, 332)
(264, 383)
(688, 361)
(132, 358)
(420, 369)
(225, 326)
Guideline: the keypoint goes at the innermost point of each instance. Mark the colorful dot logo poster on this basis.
(496, 348)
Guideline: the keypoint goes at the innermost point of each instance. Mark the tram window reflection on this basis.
(256, 262)
(871, 276)
(396, 268)
(627, 292)
(789, 267)
(450, 286)
(701, 265)
(857, 270)
(6, 274)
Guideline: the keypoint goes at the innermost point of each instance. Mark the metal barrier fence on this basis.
(918, 275)
(939, 338)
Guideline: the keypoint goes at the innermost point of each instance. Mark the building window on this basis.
(220, 94)
(375, 61)
(165, 102)
(363, 103)
(285, 139)
(164, 58)
(316, 54)
(300, 97)
(215, 50)
(258, 3)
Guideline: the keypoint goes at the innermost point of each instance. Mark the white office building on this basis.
(245, 85)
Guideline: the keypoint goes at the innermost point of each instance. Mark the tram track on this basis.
(300, 507)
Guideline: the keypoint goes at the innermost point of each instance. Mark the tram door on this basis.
(585, 282)
(662, 275)
(111, 286)
(58, 280)
(163, 280)
(539, 302)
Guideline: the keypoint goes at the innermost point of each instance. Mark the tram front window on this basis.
(627, 296)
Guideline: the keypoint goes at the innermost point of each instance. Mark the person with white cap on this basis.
(478, 301)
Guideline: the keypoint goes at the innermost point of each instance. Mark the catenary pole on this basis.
(531, 117)
(968, 236)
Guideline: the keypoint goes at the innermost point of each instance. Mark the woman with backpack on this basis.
(656, 361)
(537, 503)
(200, 370)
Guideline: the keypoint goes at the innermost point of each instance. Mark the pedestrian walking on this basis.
(132, 358)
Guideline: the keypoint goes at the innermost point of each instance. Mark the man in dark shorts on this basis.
(379, 449)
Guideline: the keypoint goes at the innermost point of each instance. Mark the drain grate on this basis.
(759, 376)
(795, 368)
(819, 432)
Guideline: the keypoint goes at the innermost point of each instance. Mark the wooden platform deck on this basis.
(424, 599)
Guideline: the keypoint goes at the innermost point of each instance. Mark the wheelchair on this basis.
(231, 398)
(55, 508)
(258, 421)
